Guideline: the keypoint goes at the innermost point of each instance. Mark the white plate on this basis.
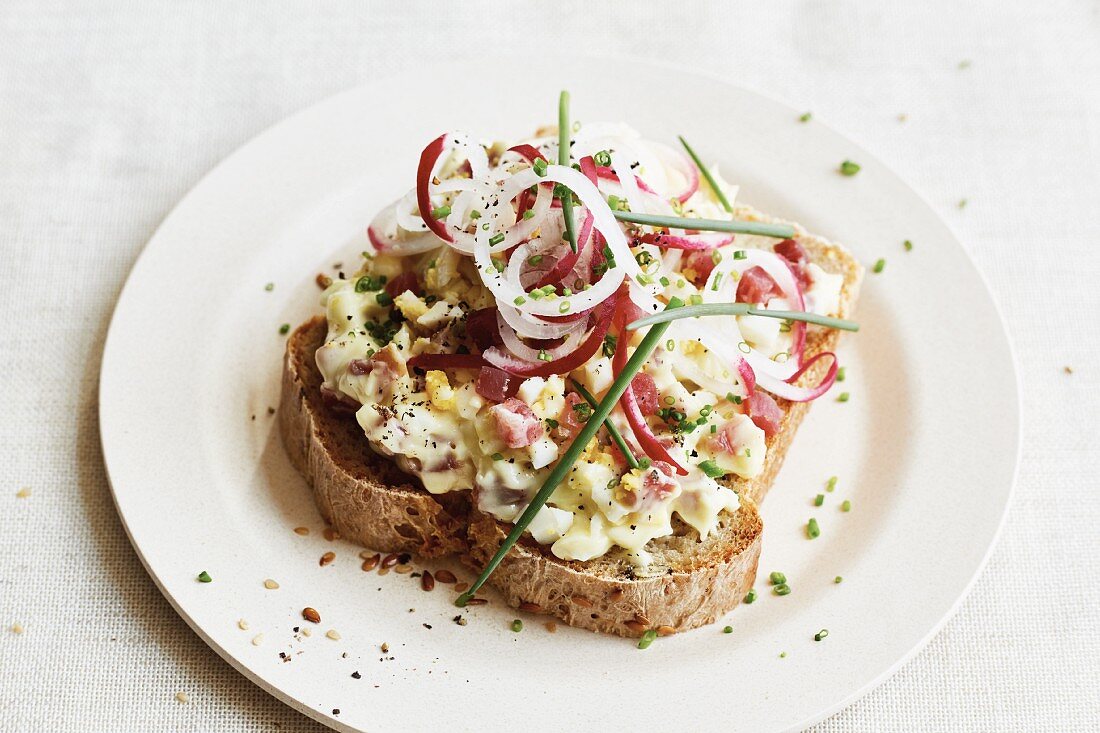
(926, 449)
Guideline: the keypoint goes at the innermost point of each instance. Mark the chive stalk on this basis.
(565, 463)
(706, 174)
(613, 431)
(564, 129)
(742, 309)
(779, 231)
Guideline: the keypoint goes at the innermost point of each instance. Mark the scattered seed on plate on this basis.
(17, 628)
(301, 530)
(257, 639)
(23, 493)
(327, 558)
(333, 634)
(385, 647)
(445, 576)
(476, 602)
(460, 587)
(242, 624)
(271, 584)
(310, 614)
(403, 569)
(427, 582)
(460, 620)
(551, 626)
(306, 632)
(369, 563)
(389, 560)
(182, 697)
(383, 570)
(1068, 369)
(330, 534)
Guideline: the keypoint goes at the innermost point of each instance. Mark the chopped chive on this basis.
(830, 485)
(539, 166)
(821, 635)
(517, 625)
(812, 530)
(846, 506)
(740, 254)
(779, 231)
(908, 245)
(840, 374)
(384, 299)
(613, 431)
(269, 287)
(647, 638)
(750, 596)
(664, 282)
(712, 469)
(706, 174)
(742, 309)
(441, 212)
(564, 307)
(782, 589)
(496, 239)
(962, 203)
(534, 260)
(569, 456)
(805, 117)
(843, 397)
(544, 355)
(497, 456)
(880, 265)
(848, 168)
(204, 577)
(777, 578)
(528, 214)
(520, 300)
(819, 500)
(838, 580)
(782, 655)
(602, 158)
(475, 214)
(727, 630)
(284, 329)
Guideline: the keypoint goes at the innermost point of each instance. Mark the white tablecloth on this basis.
(109, 113)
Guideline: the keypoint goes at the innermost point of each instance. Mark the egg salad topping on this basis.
(453, 437)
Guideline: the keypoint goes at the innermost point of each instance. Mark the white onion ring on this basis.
(387, 236)
(525, 352)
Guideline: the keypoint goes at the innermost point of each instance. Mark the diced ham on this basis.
(657, 485)
(570, 419)
(405, 281)
(757, 286)
(797, 257)
(701, 262)
(791, 251)
(645, 392)
(516, 423)
(764, 412)
(495, 384)
(387, 361)
(481, 327)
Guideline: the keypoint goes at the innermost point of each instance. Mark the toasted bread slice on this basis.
(372, 502)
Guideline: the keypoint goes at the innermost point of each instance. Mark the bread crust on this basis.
(370, 501)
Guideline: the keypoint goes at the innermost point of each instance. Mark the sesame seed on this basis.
(257, 639)
(270, 584)
(333, 634)
(242, 624)
(182, 697)
(23, 493)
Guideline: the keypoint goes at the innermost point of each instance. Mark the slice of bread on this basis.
(369, 500)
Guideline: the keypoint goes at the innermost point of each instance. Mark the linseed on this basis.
(582, 601)
(445, 576)
(330, 534)
(427, 582)
(551, 626)
(370, 562)
(616, 595)
(530, 607)
(403, 569)
(301, 530)
(389, 560)
(476, 602)
(634, 626)
(665, 631)
(310, 614)
(460, 587)
(327, 558)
